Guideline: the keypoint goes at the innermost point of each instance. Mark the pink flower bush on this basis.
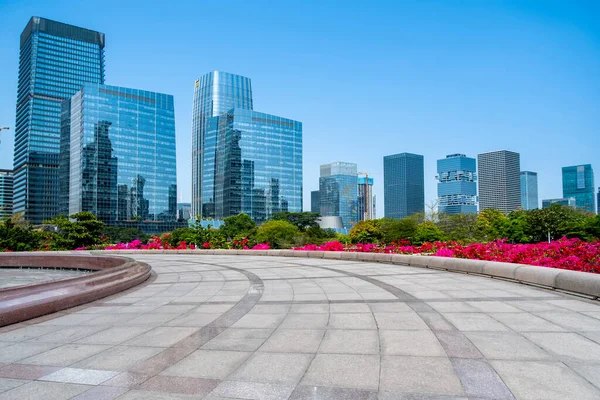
(261, 246)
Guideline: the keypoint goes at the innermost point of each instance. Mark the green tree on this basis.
(84, 231)
(592, 227)
(278, 233)
(238, 226)
(428, 231)
(492, 224)
(460, 227)
(302, 220)
(397, 229)
(117, 234)
(181, 235)
(555, 222)
(365, 232)
(18, 237)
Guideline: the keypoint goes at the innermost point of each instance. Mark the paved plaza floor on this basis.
(11, 277)
(249, 327)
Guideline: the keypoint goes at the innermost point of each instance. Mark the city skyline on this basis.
(330, 124)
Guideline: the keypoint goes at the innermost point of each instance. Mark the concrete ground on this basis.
(247, 327)
(11, 277)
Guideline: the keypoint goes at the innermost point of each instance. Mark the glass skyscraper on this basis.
(403, 185)
(6, 194)
(122, 156)
(55, 60)
(499, 180)
(366, 199)
(457, 186)
(315, 201)
(338, 188)
(252, 165)
(529, 190)
(214, 94)
(578, 182)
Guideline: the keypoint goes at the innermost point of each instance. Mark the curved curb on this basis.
(575, 282)
(111, 275)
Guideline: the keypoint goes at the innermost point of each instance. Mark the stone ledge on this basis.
(111, 275)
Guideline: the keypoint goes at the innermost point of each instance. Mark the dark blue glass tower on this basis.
(578, 182)
(403, 185)
(529, 190)
(56, 59)
(457, 186)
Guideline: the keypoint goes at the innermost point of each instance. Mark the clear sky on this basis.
(367, 79)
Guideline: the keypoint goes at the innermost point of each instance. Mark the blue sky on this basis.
(367, 79)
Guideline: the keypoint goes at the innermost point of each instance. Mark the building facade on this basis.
(55, 60)
(499, 180)
(366, 199)
(529, 190)
(578, 182)
(6, 194)
(315, 201)
(457, 184)
(598, 201)
(122, 156)
(403, 185)
(184, 211)
(252, 165)
(214, 94)
(570, 202)
(338, 188)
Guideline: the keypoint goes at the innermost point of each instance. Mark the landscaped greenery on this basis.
(488, 235)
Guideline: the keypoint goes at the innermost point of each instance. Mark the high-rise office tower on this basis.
(598, 201)
(338, 188)
(122, 156)
(403, 185)
(366, 199)
(6, 194)
(252, 165)
(529, 190)
(214, 94)
(499, 180)
(315, 201)
(184, 211)
(457, 186)
(578, 182)
(55, 60)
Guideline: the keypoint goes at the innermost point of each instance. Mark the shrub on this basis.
(278, 233)
(365, 232)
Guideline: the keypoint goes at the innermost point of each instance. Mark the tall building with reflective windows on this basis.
(457, 184)
(529, 190)
(578, 182)
(499, 176)
(252, 165)
(6, 194)
(403, 185)
(366, 199)
(55, 60)
(214, 94)
(315, 201)
(122, 156)
(338, 188)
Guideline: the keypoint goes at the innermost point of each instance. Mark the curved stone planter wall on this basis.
(111, 275)
(581, 283)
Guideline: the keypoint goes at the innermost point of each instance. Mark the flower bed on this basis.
(571, 254)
